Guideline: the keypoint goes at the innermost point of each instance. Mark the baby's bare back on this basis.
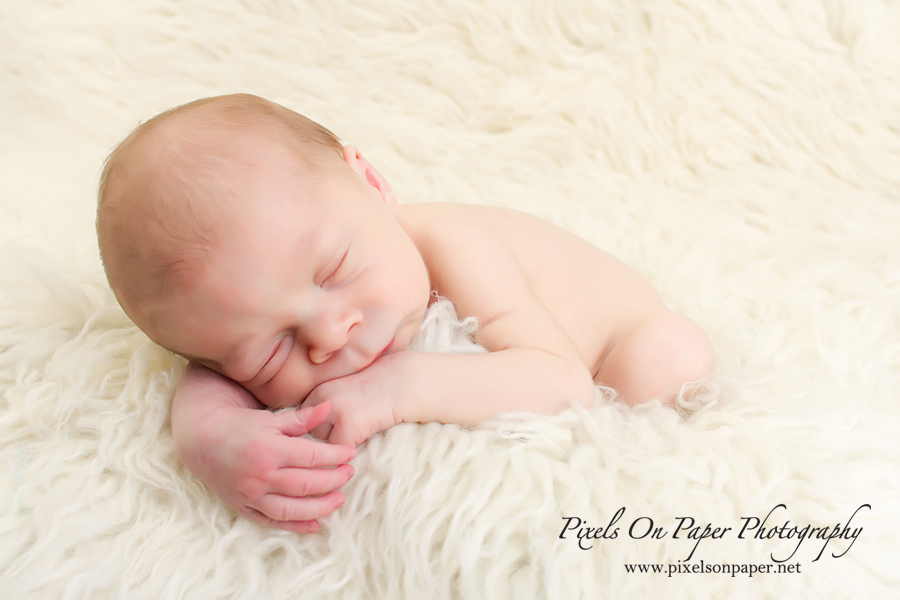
(594, 297)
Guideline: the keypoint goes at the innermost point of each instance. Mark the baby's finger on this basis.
(297, 526)
(298, 483)
(340, 435)
(299, 421)
(322, 432)
(293, 526)
(309, 454)
(281, 509)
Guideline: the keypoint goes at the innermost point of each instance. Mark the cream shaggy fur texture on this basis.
(743, 154)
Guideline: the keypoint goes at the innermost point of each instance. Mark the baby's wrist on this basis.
(401, 383)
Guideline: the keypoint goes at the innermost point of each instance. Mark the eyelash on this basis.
(288, 339)
(337, 268)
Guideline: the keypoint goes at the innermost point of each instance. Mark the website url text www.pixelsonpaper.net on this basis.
(703, 567)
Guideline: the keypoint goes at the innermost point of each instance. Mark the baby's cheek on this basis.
(290, 386)
(268, 396)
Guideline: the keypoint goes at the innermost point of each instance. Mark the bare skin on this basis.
(315, 295)
(556, 313)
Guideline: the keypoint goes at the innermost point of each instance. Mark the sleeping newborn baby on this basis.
(246, 238)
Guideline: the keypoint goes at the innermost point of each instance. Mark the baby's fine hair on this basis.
(160, 193)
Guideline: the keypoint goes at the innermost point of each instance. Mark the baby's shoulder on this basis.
(434, 225)
(454, 236)
(442, 225)
(464, 248)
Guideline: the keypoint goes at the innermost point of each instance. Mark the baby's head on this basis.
(241, 234)
(170, 192)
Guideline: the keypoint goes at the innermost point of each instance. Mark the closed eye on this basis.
(337, 273)
(273, 363)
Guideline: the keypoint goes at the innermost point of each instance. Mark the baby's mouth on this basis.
(388, 347)
(380, 354)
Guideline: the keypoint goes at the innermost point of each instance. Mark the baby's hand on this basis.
(363, 403)
(258, 464)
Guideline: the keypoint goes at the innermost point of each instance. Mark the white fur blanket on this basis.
(744, 155)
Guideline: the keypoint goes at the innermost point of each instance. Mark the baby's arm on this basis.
(532, 365)
(254, 460)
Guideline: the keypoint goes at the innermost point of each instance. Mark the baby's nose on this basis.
(331, 334)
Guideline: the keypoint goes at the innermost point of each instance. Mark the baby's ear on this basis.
(369, 174)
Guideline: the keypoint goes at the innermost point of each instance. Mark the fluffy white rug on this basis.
(744, 155)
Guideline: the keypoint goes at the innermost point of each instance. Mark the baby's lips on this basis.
(389, 346)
